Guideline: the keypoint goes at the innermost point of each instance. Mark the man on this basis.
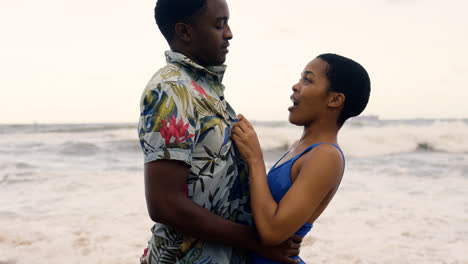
(196, 186)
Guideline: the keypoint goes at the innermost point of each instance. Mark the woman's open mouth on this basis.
(295, 103)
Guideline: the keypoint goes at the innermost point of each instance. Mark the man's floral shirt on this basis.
(184, 117)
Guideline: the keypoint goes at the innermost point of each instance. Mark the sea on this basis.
(73, 193)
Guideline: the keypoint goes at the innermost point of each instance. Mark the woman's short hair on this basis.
(351, 79)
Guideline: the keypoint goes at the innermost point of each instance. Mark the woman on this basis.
(300, 185)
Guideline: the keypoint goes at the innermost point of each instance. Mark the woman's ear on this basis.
(183, 32)
(336, 100)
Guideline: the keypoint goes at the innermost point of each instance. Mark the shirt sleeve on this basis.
(168, 124)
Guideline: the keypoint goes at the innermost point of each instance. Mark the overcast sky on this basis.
(88, 61)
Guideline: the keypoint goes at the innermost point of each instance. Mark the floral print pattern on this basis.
(177, 131)
(183, 116)
(198, 88)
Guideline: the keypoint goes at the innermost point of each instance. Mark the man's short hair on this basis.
(351, 79)
(170, 12)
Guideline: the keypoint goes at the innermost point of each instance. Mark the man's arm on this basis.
(167, 204)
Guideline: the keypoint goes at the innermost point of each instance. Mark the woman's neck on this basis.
(318, 132)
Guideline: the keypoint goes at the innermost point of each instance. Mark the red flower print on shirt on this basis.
(143, 257)
(178, 130)
(199, 89)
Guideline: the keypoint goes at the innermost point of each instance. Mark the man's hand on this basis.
(283, 252)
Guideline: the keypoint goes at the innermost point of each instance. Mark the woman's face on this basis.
(310, 97)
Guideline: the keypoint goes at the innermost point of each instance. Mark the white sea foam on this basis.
(74, 194)
(362, 140)
(394, 217)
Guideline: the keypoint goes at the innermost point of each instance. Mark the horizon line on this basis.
(364, 117)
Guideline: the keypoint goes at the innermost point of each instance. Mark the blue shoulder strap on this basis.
(316, 144)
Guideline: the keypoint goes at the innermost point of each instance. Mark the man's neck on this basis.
(186, 52)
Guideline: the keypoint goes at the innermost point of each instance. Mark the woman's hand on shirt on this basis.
(246, 141)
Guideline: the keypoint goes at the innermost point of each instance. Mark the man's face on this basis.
(211, 34)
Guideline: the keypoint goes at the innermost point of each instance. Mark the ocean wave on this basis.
(425, 146)
(84, 148)
(124, 145)
(24, 165)
(63, 128)
(79, 148)
(373, 121)
(358, 137)
(365, 140)
(18, 177)
(13, 171)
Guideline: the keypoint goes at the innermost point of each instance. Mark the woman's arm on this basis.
(318, 175)
(167, 204)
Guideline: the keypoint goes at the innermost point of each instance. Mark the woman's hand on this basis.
(246, 140)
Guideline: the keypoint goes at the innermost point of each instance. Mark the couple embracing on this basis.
(206, 184)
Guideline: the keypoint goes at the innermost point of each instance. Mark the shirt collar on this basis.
(214, 71)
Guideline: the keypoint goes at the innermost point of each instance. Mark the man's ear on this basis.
(183, 32)
(336, 100)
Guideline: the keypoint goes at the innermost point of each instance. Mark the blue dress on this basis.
(279, 181)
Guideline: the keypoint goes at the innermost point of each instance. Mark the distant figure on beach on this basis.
(196, 187)
(298, 188)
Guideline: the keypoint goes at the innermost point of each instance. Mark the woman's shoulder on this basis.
(327, 149)
(324, 158)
